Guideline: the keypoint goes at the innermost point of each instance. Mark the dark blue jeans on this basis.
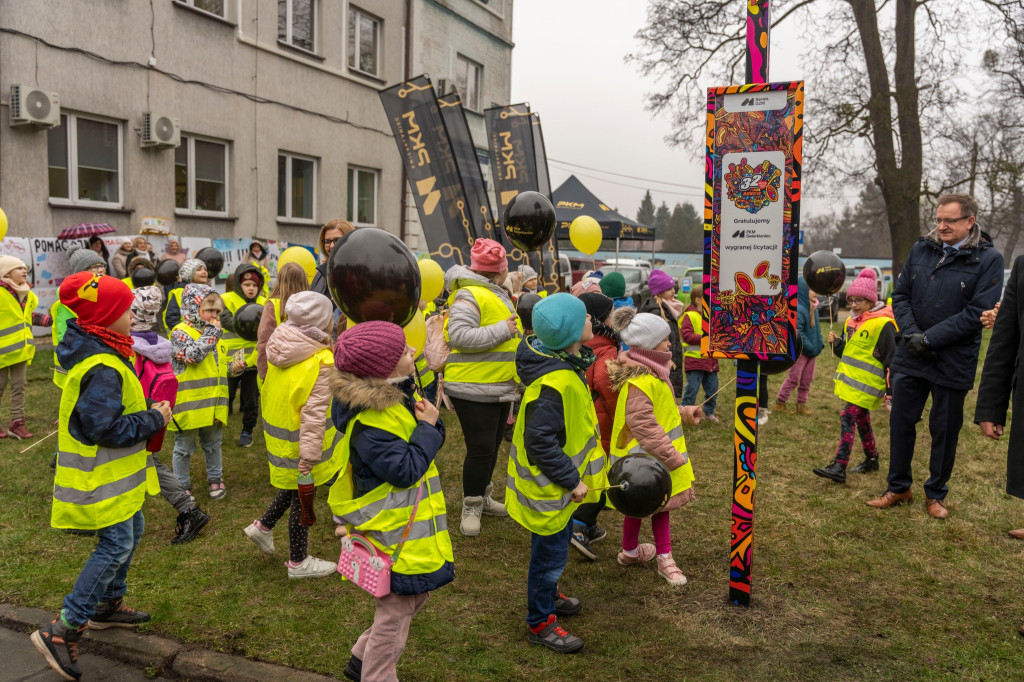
(695, 378)
(548, 554)
(105, 573)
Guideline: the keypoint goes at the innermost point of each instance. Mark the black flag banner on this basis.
(513, 134)
(422, 138)
(469, 166)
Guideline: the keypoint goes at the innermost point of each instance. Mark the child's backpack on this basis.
(158, 384)
(437, 350)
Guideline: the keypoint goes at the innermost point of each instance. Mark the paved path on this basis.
(19, 661)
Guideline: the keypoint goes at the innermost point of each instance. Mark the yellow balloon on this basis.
(585, 234)
(3, 224)
(431, 280)
(300, 256)
(416, 332)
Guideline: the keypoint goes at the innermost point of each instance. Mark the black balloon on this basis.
(214, 260)
(825, 272)
(167, 272)
(143, 277)
(372, 275)
(529, 220)
(524, 308)
(780, 366)
(247, 320)
(646, 485)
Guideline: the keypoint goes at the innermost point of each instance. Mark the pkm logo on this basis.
(416, 138)
(425, 188)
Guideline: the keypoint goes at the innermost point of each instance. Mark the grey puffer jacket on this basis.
(467, 336)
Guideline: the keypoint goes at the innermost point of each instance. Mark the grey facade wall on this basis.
(343, 124)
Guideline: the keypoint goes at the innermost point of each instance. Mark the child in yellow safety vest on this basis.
(556, 458)
(202, 406)
(17, 315)
(246, 284)
(866, 349)
(296, 424)
(102, 474)
(648, 422)
(700, 372)
(388, 489)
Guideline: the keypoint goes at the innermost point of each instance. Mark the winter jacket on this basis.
(287, 346)
(943, 298)
(268, 323)
(655, 307)
(691, 337)
(604, 349)
(98, 417)
(1003, 373)
(152, 346)
(466, 334)
(377, 456)
(544, 434)
(643, 425)
(227, 318)
(807, 322)
(186, 350)
(119, 262)
(319, 283)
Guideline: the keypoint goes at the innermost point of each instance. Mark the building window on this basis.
(363, 42)
(84, 157)
(296, 187)
(201, 176)
(362, 196)
(469, 77)
(215, 7)
(296, 23)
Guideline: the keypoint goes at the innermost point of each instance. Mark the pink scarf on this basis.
(659, 362)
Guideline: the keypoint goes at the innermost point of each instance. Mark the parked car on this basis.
(581, 266)
(634, 271)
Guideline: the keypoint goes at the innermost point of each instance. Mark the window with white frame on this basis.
(201, 176)
(296, 23)
(296, 187)
(362, 196)
(84, 158)
(469, 79)
(215, 7)
(363, 42)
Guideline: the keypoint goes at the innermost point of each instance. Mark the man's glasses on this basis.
(950, 221)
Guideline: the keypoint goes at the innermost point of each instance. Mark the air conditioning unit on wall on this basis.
(160, 130)
(32, 106)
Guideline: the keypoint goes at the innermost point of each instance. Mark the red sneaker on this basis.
(18, 429)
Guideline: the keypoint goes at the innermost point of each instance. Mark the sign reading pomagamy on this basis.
(751, 220)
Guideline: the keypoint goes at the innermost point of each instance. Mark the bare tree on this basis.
(880, 80)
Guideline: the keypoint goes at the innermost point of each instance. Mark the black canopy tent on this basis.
(572, 199)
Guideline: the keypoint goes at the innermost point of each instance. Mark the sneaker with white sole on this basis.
(581, 542)
(311, 567)
(217, 489)
(644, 552)
(264, 539)
(668, 570)
(491, 506)
(472, 510)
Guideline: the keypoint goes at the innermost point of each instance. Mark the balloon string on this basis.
(830, 321)
(607, 487)
(38, 441)
(720, 389)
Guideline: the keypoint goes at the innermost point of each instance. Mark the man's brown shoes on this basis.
(1019, 534)
(936, 508)
(891, 499)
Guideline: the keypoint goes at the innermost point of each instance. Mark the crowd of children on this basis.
(593, 377)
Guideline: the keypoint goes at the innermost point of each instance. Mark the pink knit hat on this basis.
(370, 349)
(487, 255)
(864, 286)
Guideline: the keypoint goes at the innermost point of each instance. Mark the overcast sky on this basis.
(568, 64)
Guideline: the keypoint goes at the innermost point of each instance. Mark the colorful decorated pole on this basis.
(741, 549)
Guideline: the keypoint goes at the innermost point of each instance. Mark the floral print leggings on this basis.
(854, 415)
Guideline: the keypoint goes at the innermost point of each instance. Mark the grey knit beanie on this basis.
(81, 259)
(188, 269)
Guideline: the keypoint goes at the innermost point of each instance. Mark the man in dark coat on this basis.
(1001, 373)
(951, 276)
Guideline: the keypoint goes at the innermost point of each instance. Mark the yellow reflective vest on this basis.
(232, 341)
(533, 500)
(282, 407)
(94, 486)
(59, 373)
(202, 390)
(16, 328)
(666, 412)
(860, 378)
(494, 366)
(382, 513)
(691, 351)
(172, 295)
(422, 366)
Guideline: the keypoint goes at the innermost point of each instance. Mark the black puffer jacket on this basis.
(943, 297)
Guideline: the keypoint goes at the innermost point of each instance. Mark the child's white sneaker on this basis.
(311, 567)
(264, 539)
(668, 570)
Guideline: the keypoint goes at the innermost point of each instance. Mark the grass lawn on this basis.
(841, 591)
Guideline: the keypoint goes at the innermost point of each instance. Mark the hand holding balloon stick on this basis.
(307, 493)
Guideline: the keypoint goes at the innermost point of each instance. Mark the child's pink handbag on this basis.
(366, 566)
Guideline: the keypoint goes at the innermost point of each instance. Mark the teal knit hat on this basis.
(558, 320)
(613, 285)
